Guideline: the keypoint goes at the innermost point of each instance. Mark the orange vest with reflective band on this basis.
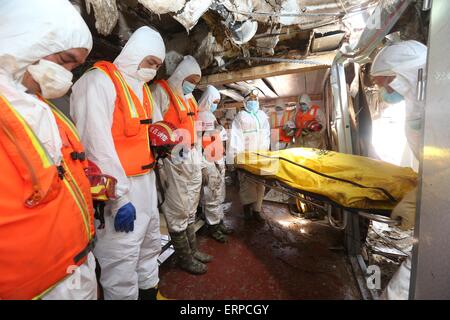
(75, 160)
(303, 117)
(181, 114)
(274, 124)
(46, 226)
(131, 122)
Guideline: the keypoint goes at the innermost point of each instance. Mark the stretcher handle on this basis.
(379, 218)
(333, 222)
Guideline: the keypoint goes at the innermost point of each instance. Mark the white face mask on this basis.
(146, 74)
(53, 79)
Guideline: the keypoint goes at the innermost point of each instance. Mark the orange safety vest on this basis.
(46, 221)
(73, 153)
(304, 117)
(131, 121)
(181, 114)
(284, 119)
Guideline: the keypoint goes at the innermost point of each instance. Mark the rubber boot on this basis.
(200, 256)
(151, 294)
(148, 294)
(248, 214)
(257, 216)
(224, 228)
(216, 234)
(185, 259)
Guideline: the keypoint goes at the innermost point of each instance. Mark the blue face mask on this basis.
(213, 107)
(304, 107)
(188, 87)
(252, 106)
(391, 98)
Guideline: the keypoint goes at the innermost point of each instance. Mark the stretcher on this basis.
(327, 179)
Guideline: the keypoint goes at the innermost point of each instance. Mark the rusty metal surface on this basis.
(283, 258)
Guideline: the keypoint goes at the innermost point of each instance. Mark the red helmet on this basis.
(313, 126)
(163, 138)
(103, 186)
(162, 133)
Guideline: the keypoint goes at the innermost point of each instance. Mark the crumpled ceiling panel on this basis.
(106, 14)
(163, 6)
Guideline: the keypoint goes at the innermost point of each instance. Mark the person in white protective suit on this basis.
(310, 123)
(213, 164)
(42, 41)
(181, 171)
(250, 131)
(395, 71)
(129, 245)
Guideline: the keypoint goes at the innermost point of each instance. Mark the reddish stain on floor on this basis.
(284, 257)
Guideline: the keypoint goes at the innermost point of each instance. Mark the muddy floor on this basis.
(284, 257)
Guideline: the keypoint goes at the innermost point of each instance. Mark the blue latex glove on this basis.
(124, 220)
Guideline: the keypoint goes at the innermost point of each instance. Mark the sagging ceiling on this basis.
(226, 35)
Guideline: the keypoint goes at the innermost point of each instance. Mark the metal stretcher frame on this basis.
(374, 215)
(350, 225)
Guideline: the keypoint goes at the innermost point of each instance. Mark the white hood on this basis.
(208, 97)
(33, 29)
(187, 67)
(142, 43)
(403, 60)
(29, 31)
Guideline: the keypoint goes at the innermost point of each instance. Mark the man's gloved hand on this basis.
(406, 211)
(124, 220)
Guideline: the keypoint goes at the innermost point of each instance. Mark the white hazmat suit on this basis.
(29, 31)
(250, 131)
(213, 171)
(183, 177)
(403, 60)
(128, 261)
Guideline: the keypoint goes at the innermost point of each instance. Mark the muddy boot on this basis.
(216, 234)
(183, 253)
(248, 214)
(224, 228)
(257, 216)
(200, 256)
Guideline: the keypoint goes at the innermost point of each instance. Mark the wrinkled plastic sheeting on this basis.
(163, 6)
(106, 15)
(192, 12)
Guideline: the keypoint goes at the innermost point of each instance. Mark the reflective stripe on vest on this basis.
(131, 121)
(180, 113)
(41, 239)
(74, 166)
(302, 118)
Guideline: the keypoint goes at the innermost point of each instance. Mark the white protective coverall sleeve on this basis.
(182, 179)
(29, 31)
(128, 260)
(213, 172)
(403, 60)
